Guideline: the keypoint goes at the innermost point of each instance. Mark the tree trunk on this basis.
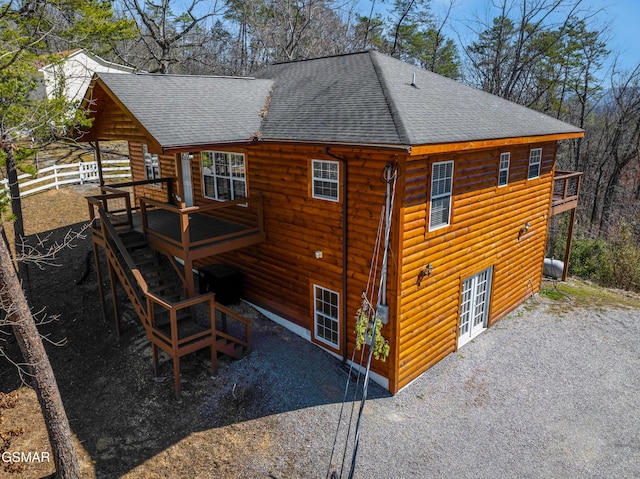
(24, 327)
(16, 209)
(606, 219)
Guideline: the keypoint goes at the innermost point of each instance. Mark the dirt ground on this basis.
(125, 420)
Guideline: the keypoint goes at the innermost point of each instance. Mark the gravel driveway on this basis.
(548, 392)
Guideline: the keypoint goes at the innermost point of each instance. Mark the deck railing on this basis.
(245, 211)
(566, 190)
(165, 189)
(566, 185)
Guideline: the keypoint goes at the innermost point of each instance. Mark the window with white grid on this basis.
(326, 177)
(151, 163)
(441, 187)
(535, 156)
(223, 175)
(503, 175)
(326, 317)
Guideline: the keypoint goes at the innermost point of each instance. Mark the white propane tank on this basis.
(553, 268)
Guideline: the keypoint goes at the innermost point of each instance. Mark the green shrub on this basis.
(613, 261)
(590, 258)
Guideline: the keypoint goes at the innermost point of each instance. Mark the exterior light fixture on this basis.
(426, 271)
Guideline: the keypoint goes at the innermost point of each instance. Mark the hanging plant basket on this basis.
(365, 317)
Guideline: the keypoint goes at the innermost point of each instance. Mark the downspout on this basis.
(345, 262)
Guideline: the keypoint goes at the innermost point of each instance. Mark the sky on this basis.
(622, 16)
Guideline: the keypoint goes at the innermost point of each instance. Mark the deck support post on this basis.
(96, 255)
(99, 163)
(114, 294)
(189, 280)
(567, 253)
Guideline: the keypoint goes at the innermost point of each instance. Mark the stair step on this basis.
(146, 260)
(180, 315)
(159, 279)
(231, 348)
(167, 292)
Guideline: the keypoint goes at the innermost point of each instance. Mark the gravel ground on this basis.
(546, 393)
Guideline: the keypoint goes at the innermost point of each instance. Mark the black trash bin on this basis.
(222, 280)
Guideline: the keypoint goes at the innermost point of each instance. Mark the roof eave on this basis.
(427, 149)
(349, 144)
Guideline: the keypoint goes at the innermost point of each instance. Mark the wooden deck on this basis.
(566, 191)
(198, 231)
(203, 228)
(190, 233)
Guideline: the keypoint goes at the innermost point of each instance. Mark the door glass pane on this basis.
(465, 307)
(474, 305)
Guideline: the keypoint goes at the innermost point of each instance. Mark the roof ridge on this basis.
(401, 130)
(186, 75)
(336, 55)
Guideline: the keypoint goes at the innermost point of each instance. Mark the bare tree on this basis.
(611, 145)
(165, 31)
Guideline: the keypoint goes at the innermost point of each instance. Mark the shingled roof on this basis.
(363, 98)
(373, 98)
(180, 110)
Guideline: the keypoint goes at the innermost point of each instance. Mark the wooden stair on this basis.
(173, 323)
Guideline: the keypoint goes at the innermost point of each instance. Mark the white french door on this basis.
(474, 305)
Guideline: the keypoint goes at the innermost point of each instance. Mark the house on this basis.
(73, 73)
(302, 157)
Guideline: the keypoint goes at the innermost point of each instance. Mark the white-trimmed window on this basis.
(326, 319)
(326, 177)
(223, 175)
(441, 187)
(535, 156)
(503, 174)
(151, 163)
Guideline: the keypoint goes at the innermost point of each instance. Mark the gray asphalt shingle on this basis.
(190, 110)
(361, 98)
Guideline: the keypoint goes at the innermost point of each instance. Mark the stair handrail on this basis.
(115, 238)
(150, 296)
(247, 326)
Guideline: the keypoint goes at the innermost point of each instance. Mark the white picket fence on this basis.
(67, 174)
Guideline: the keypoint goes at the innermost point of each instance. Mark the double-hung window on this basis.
(151, 163)
(326, 177)
(326, 319)
(535, 156)
(503, 175)
(441, 188)
(224, 175)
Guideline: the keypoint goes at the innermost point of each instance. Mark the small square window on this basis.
(535, 157)
(325, 180)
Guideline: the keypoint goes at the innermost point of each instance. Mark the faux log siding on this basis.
(484, 230)
(138, 172)
(279, 273)
(112, 123)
